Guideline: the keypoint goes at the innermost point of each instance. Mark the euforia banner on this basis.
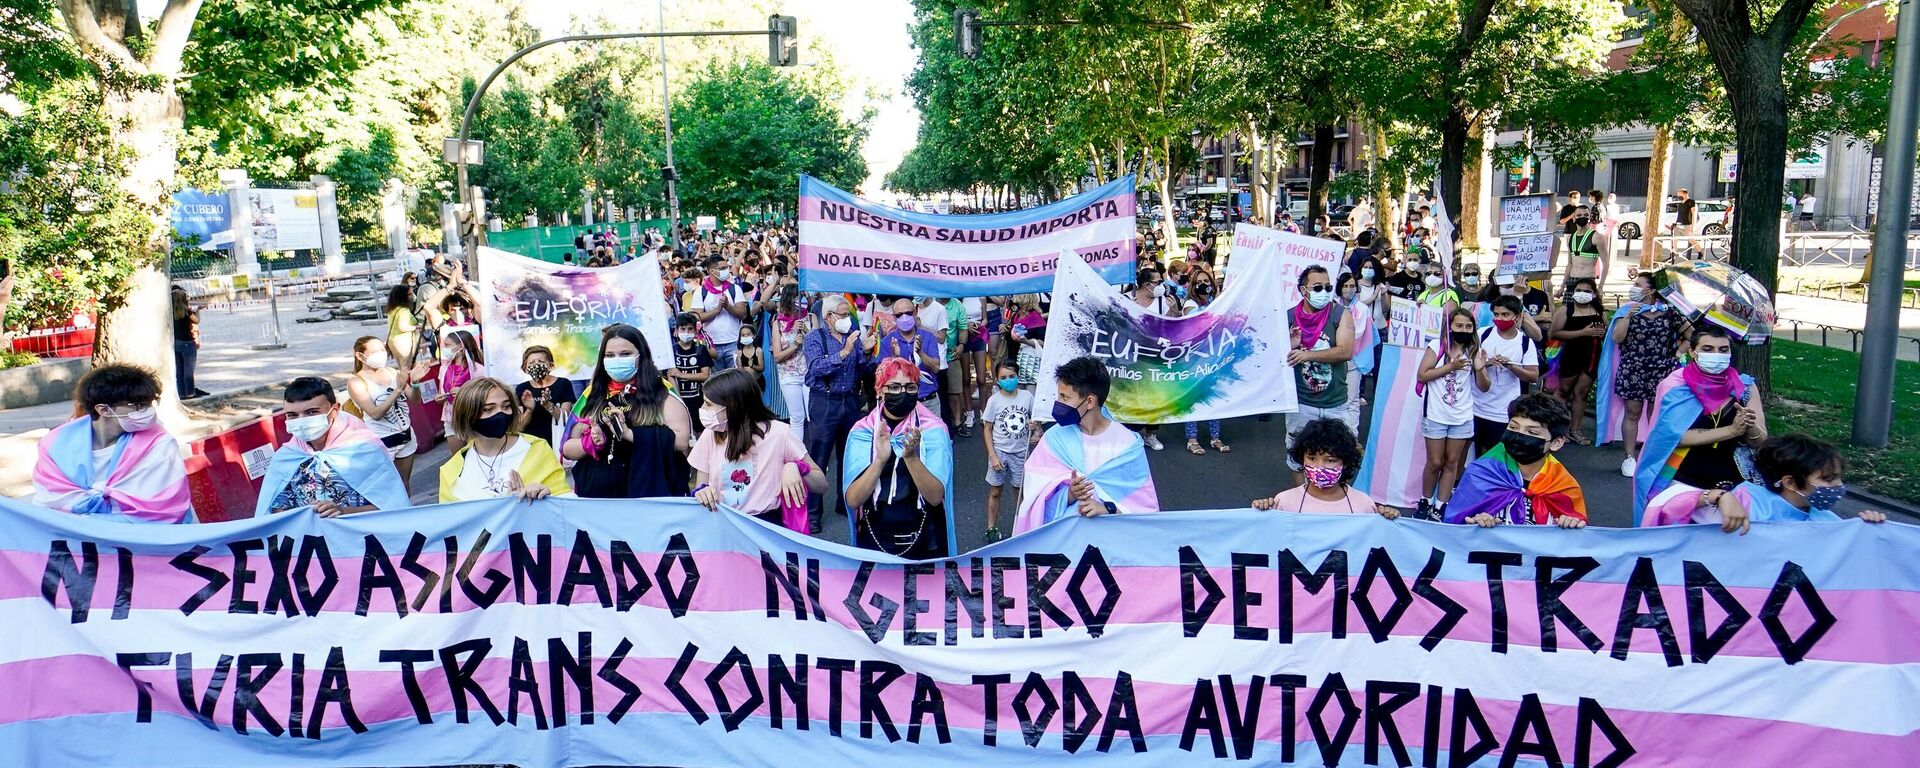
(573, 632)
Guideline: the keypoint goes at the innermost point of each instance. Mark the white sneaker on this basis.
(1153, 441)
(1627, 466)
(969, 419)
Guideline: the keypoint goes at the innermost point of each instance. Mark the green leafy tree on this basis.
(744, 132)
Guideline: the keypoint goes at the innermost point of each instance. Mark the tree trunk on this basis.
(138, 329)
(1319, 175)
(1654, 223)
(1386, 192)
(1453, 155)
(1473, 193)
(1257, 175)
(1760, 121)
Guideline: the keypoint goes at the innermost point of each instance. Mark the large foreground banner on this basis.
(858, 246)
(525, 301)
(575, 632)
(1224, 360)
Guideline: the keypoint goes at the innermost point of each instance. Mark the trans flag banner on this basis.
(852, 245)
(1224, 360)
(576, 632)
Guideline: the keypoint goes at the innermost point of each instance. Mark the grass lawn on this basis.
(1813, 393)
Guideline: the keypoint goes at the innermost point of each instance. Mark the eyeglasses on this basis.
(897, 389)
(1321, 288)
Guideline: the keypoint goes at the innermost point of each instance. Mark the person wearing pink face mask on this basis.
(1329, 456)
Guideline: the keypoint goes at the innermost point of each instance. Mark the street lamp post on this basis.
(1873, 398)
(781, 32)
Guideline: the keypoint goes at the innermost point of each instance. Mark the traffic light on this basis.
(966, 32)
(783, 41)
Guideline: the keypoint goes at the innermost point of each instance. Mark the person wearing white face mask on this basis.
(1322, 344)
(114, 460)
(631, 435)
(1708, 416)
(378, 393)
(747, 459)
(333, 464)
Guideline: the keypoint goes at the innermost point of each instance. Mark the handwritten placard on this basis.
(1528, 253)
(1526, 215)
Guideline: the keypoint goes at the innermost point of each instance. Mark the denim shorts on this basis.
(1433, 430)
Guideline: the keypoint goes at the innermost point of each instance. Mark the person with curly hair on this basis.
(1329, 456)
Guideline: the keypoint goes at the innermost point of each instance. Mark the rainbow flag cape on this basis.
(1493, 484)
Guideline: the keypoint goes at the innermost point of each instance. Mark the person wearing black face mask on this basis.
(1519, 482)
(1086, 464)
(496, 459)
(897, 481)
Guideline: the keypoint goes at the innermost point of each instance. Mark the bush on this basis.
(10, 358)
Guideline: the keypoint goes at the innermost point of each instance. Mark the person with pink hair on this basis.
(898, 477)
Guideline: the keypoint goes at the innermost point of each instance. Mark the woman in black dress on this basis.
(631, 438)
(1579, 324)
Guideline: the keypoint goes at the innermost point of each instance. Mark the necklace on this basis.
(490, 470)
(919, 530)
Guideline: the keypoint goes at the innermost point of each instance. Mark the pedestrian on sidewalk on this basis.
(114, 459)
(186, 344)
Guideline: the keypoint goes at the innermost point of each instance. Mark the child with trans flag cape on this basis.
(350, 452)
(1085, 448)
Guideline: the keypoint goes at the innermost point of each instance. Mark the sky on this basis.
(867, 38)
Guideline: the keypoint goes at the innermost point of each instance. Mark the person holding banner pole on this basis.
(1150, 292)
(1322, 332)
(835, 354)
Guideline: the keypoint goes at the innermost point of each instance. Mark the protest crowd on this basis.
(790, 405)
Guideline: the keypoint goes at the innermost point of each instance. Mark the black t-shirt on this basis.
(1683, 211)
(559, 396)
(580, 242)
(1409, 284)
(1565, 211)
(690, 359)
(1535, 302)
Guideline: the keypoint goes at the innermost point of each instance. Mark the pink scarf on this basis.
(1713, 390)
(713, 289)
(1310, 323)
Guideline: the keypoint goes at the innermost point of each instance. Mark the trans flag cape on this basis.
(1675, 409)
(1366, 336)
(1493, 484)
(146, 481)
(936, 452)
(1765, 506)
(352, 453)
(1124, 480)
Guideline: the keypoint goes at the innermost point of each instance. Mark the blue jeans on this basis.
(186, 354)
(724, 356)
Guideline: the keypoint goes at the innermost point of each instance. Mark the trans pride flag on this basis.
(573, 632)
(1396, 454)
